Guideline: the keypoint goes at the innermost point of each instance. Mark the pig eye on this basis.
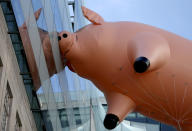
(64, 35)
(59, 38)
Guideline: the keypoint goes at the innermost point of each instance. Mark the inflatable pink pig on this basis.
(137, 67)
(46, 44)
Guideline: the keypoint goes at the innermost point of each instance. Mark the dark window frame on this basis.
(18, 124)
(1, 69)
(7, 106)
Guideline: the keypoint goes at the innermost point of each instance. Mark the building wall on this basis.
(10, 78)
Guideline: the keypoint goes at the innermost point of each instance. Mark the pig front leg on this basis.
(149, 51)
(119, 106)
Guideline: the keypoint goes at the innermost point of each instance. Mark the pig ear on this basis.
(92, 16)
(37, 13)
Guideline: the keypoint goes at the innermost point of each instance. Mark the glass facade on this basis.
(63, 101)
(22, 61)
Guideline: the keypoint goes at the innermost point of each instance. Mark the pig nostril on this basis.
(64, 35)
(59, 38)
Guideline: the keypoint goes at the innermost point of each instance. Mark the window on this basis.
(77, 115)
(18, 125)
(63, 118)
(6, 108)
(1, 68)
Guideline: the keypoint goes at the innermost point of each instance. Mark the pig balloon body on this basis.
(137, 67)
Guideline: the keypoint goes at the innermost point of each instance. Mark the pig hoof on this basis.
(141, 64)
(111, 121)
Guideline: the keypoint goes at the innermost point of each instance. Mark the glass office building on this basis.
(63, 101)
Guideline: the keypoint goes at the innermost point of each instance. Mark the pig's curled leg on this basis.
(119, 106)
(149, 51)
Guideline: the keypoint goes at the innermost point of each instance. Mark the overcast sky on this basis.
(172, 15)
